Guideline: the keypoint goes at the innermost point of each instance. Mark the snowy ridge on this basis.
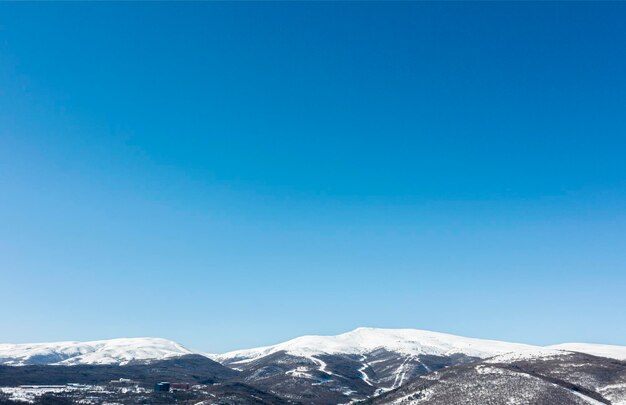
(114, 351)
(610, 351)
(535, 354)
(361, 341)
(411, 342)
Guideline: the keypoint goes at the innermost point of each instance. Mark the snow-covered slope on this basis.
(405, 342)
(357, 364)
(613, 352)
(545, 377)
(536, 354)
(114, 351)
(363, 340)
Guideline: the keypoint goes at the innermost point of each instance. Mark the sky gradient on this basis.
(231, 175)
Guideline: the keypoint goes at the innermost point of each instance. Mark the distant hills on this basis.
(113, 351)
(379, 366)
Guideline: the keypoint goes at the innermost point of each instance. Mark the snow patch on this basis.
(610, 351)
(530, 354)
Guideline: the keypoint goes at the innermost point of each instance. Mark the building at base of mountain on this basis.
(162, 387)
(124, 382)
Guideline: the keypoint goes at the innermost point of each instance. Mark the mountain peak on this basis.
(113, 351)
(364, 339)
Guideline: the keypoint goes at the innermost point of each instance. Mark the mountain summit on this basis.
(113, 351)
(412, 342)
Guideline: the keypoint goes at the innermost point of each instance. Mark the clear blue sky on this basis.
(235, 174)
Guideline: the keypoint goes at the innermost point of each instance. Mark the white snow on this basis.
(364, 375)
(532, 354)
(401, 373)
(322, 366)
(300, 372)
(482, 369)
(613, 352)
(361, 341)
(114, 351)
(30, 393)
(410, 342)
(589, 400)
(616, 393)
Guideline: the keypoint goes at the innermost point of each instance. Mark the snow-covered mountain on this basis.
(384, 365)
(357, 364)
(368, 361)
(404, 342)
(545, 377)
(610, 351)
(411, 342)
(114, 351)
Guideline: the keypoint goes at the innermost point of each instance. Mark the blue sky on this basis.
(230, 175)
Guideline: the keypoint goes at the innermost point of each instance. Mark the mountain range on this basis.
(378, 366)
(113, 351)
